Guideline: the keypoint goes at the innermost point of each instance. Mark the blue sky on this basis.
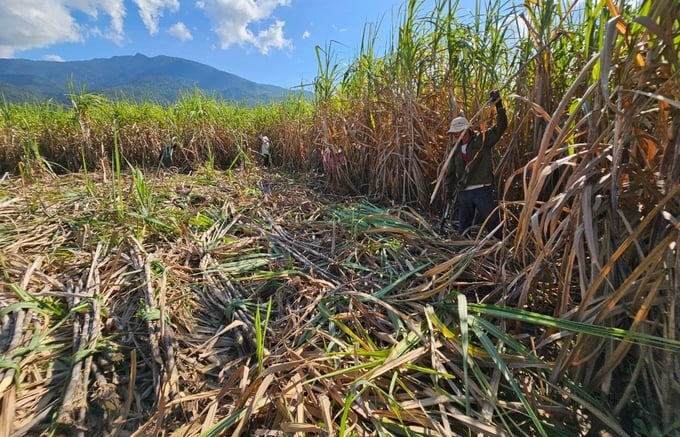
(266, 41)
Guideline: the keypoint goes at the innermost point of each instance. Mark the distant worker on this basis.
(264, 150)
(165, 158)
(469, 177)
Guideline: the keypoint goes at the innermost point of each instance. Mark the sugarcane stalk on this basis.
(73, 410)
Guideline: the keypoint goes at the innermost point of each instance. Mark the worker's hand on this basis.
(495, 96)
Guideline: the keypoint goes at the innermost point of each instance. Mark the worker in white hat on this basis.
(264, 149)
(469, 177)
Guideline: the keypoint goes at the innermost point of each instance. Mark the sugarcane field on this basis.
(323, 267)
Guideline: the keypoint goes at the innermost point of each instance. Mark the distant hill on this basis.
(159, 79)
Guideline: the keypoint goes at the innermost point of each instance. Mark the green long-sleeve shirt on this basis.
(479, 170)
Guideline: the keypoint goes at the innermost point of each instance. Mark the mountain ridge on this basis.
(160, 79)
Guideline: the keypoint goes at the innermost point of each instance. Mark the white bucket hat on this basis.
(459, 124)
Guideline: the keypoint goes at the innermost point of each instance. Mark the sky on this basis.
(265, 41)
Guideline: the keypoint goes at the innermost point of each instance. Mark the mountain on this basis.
(158, 79)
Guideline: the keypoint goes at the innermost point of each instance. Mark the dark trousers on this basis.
(479, 200)
(265, 160)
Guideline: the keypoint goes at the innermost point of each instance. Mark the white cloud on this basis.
(232, 22)
(306, 34)
(55, 58)
(25, 24)
(180, 31)
(113, 9)
(271, 38)
(152, 10)
(28, 24)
